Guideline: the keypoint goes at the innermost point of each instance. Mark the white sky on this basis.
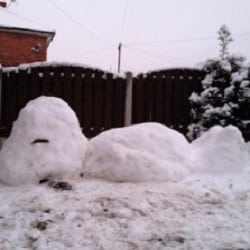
(88, 32)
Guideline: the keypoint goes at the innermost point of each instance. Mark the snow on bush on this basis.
(220, 150)
(142, 152)
(45, 142)
(225, 99)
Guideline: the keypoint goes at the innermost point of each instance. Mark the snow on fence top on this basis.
(28, 66)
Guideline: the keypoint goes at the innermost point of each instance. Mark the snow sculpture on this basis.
(45, 142)
(220, 150)
(142, 152)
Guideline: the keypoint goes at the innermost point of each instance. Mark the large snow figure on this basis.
(220, 150)
(46, 142)
(142, 152)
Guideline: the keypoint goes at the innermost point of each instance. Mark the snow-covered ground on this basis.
(199, 213)
(206, 207)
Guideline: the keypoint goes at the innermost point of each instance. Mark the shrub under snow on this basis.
(225, 99)
(142, 152)
(46, 142)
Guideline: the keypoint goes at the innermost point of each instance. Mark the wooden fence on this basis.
(163, 96)
(102, 100)
(96, 97)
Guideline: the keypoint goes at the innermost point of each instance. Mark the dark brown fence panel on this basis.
(98, 103)
(23, 89)
(168, 99)
(46, 81)
(119, 89)
(97, 97)
(10, 107)
(88, 93)
(108, 104)
(78, 92)
(67, 80)
(178, 99)
(58, 88)
(163, 96)
(158, 99)
(138, 108)
(35, 89)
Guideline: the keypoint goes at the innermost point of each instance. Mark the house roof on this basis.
(48, 34)
(14, 19)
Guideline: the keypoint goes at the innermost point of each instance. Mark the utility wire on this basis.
(154, 58)
(149, 57)
(153, 55)
(8, 6)
(10, 3)
(172, 41)
(184, 40)
(83, 27)
(90, 52)
(241, 34)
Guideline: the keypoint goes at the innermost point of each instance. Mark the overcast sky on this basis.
(155, 34)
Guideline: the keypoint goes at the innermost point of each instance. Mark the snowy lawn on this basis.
(140, 187)
(200, 212)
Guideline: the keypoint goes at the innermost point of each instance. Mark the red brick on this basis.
(16, 48)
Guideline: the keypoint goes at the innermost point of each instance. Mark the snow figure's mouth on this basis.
(40, 141)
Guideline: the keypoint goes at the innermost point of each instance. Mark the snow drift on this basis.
(142, 152)
(46, 141)
(220, 150)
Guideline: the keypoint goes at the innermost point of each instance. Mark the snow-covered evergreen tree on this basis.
(225, 38)
(225, 98)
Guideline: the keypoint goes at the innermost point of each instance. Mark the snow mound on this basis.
(46, 141)
(142, 152)
(220, 150)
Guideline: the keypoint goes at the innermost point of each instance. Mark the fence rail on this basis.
(100, 98)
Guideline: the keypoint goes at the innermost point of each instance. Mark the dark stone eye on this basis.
(43, 181)
(40, 140)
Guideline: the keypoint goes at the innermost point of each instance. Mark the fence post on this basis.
(128, 99)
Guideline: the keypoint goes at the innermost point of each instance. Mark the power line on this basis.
(172, 41)
(241, 34)
(184, 40)
(153, 55)
(94, 51)
(154, 58)
(85, 28)
(9, 4)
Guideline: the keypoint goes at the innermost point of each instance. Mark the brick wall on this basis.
(16, 48)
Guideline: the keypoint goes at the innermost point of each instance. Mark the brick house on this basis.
(23, 45)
